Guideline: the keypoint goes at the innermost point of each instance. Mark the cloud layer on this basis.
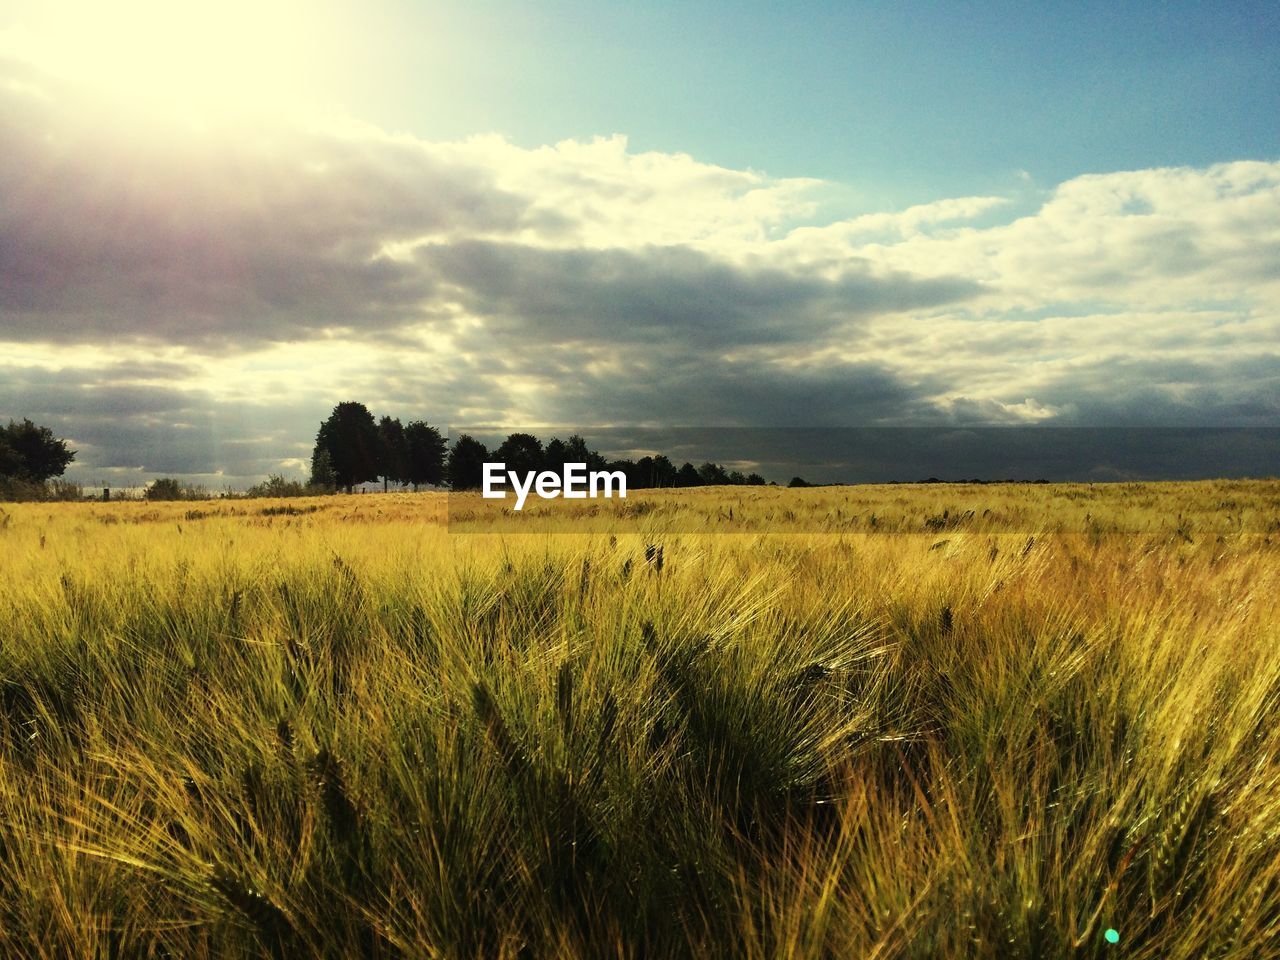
(185, 299)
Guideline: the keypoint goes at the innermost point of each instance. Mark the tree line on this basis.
(352, 447)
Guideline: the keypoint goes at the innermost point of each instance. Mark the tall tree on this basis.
(628, 469)
(521, 452)
(350, 437)
(322, 469)
(466, 463)
(9, 462)
(664, 472)
(556, 454)
(393, 452)
(426, 454)
(644, 474)
(712, 474)
(577, 451)
(32, 453)
(688, 476)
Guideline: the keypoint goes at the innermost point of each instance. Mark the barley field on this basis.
(1004, 721)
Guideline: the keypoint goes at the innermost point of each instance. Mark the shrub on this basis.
(169, 488)
(14, 489)
(64, 490)
(277, 486)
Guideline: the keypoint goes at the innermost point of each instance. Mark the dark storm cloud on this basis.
(176, 236)
(115, 424)
(125, 429)
(63, 398)
(104, 393)
(185, 238)
(674, 292)
(913, 454)
(707, 390)
(1214, 391)
(204, 438)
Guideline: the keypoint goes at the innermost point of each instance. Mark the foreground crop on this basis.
(273, 730)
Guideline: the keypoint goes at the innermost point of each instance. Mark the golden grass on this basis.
(333, 727)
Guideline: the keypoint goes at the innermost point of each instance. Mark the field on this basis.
(340, 728)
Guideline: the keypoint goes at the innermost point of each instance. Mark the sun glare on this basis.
(230, 56)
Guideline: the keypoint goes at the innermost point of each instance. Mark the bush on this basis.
(14, 489)
(277, 486)
(170, 488)
(64, 490)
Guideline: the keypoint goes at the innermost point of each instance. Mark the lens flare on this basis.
(227, 57)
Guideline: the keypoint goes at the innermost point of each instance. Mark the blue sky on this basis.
(903, 102)
(217, 220)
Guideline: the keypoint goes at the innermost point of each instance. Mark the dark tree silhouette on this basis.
(426, 453)
(655, 471)
(32, 453)
(166, 488)
(350, 437)
(9, 462)
(642, 476)
(556, 455)
(664, 472)
(351, 448)
(393, 452)
(713, 474)
(521, 452)
(798, 482)
(629, 469)
(322, 469)
(577, 451)
(466, 463)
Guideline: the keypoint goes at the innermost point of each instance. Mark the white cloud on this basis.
(480, 281)
(1143, 239)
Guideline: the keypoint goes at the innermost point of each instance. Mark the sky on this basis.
(219, 220)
